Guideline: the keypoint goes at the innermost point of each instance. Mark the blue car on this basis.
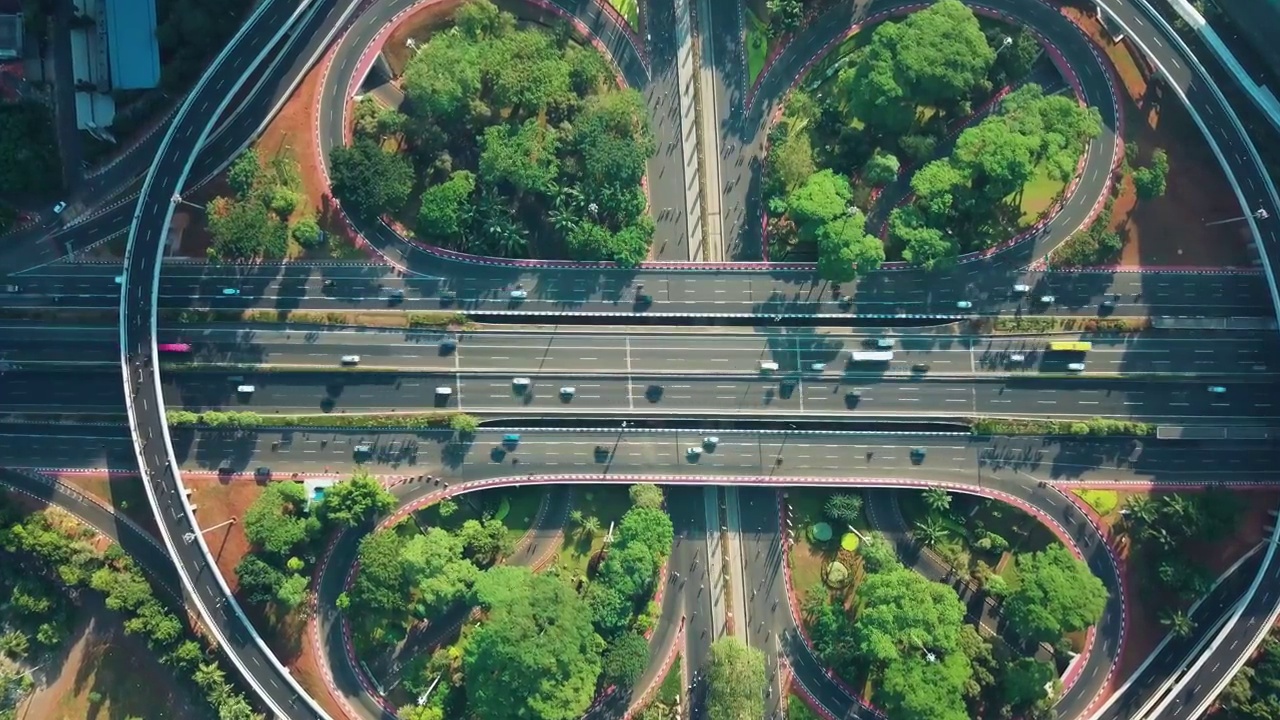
(511, 439)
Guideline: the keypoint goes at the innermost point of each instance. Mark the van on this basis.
(245, 389)
(768, 366)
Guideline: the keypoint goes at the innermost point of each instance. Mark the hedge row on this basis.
(1095, 427)
(459, 422)
(1082, 325)
(299, 317)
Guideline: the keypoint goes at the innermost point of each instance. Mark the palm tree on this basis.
(1179, 623)
(930, 531)
(937, 499)
(590, 525)
(575, 517)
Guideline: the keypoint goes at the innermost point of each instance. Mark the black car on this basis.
(643, 300)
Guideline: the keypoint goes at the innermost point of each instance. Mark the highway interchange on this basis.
(615, 382)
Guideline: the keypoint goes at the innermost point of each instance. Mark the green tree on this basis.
(881, 169)
(356, 500)
(368, 180)
(904, 613)
(1179, 623)
(790, 160)
(735, 681)
(481, 19)
(625, 660)
(1024, 682)
(921, 244)
(843, 508)
(536, 657)
(523, 156)
(646, 495)
(649, 527)
(483, 541)
(381, 584)
(878, 555)
(823, 196)
(442, 80)
(1152, 181)
(464, 424)
(244, 230)
(244, 172)
(293, 590)
(1056, 594)
(612, 136)
(277, 522)
(914, 688)
(433, 563)
(610, 609)
(257, 580)
(525, 74)
(628, 568)
(996, 158)
(936, 499)
(930, 531)
(306, 231)
(846, 249)
(446, 208)
(785, 16)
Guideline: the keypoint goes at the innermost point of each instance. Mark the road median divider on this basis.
(1041, 324)
(1083, 427)
(354, 318)
(241, 420)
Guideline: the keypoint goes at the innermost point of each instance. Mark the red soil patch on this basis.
(1169, 230)
(1145, 631)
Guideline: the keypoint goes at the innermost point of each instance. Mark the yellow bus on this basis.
(1071, 346)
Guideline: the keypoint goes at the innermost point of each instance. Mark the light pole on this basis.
(190, 537)
(1004, 43)
(1259, 214)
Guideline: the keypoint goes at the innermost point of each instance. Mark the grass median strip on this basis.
(214, 419)
(364, 318)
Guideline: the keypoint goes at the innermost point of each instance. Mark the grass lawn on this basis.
(1103, 502)
(606, 503)
(669, 690)
(522, 509)
(808, 559)
(629, 10)
(1038, 195)
(797, 708)
(757, 46)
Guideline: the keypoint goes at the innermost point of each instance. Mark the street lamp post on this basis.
(190, 537)
(1259, 214)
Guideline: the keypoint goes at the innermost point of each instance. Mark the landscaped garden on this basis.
(869, 134)
(904, 642)
(513, 141)
(530, 644)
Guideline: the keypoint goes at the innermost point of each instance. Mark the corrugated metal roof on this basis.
(134, 52)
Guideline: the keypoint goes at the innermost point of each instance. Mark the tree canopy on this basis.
(905, 614)
(356, 500)
(735, 681)
(276, 522)
(538, 646)
(518, 139)
(1056, 594)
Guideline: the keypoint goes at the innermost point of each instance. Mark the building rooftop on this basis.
(134, 52)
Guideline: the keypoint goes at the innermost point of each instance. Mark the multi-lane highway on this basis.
(302, 287)
(643, 351)
(637, 451)
(294, 393)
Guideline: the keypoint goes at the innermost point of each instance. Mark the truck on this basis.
(882, 356)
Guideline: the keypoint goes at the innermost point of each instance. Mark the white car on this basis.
(1217, 389)
(522, 383)
(711, 441)
(818, 366)
(1021, 288)
(694, 452)
(1017, 358)
(964, 305)
(246, 389)
(350, 359)
(884, 342)
(444, 390)
(568, 391)
(1047, 299)
(519, 294)
(1077, 367)
(57, 209)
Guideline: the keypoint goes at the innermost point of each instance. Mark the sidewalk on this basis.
(688, 132)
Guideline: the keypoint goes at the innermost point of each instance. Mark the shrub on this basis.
(849, 541)
(820, 532)
(1103, 502)
(837, 575)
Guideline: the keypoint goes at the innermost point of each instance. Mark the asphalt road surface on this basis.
(632, 451)
(299, 287)
(1248, 355)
